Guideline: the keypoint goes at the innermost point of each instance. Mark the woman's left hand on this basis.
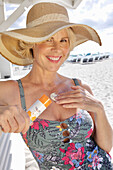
(79, 98)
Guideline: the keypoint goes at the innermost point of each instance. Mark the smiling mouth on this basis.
(54, 58)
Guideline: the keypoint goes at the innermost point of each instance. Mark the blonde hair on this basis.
(25, 49)
(72, 38)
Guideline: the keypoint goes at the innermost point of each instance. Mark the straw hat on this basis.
(43, 21)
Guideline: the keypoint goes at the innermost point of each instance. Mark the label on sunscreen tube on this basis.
(38, 107)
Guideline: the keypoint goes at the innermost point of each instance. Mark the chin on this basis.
(53, 69)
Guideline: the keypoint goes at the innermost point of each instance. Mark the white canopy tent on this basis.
(23, 5)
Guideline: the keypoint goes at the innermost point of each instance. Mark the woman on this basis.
(73, 132)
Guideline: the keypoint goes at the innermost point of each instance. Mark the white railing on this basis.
(5, 155)
(11, 152)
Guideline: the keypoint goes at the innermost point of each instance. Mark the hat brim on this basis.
(9, 39)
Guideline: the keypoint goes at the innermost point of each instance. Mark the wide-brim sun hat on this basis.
(43, 21)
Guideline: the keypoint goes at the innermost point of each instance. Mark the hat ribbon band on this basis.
(48, 18)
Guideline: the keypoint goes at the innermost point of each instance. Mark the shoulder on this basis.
(7, 90)
(7, 84)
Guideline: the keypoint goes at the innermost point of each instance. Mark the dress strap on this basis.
(76, 82)
(22, 97)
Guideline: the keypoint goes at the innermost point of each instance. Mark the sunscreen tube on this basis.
(38, 107)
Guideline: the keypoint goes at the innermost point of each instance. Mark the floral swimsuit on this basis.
(46, 138)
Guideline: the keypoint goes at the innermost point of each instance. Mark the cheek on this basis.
(39, 47)
(66, 50)
(38, 50)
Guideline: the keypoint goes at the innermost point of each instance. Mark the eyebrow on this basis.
(65, 37)
(61, 38)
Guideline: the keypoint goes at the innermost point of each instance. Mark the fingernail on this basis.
(23, 133)
(57, 102)
(53, 96)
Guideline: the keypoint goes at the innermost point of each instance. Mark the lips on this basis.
(54, 59)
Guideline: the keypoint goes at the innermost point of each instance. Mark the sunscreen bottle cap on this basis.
(45, 100)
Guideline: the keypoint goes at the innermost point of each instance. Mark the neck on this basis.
(43, 78)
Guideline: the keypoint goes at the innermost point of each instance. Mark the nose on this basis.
(55, 46)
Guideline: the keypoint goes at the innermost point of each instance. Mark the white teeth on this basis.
(55, 59)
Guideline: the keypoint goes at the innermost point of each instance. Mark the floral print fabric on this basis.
(45, 140)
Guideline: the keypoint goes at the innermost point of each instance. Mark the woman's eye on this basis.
(64, 40)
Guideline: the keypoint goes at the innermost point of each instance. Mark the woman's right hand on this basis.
(14, 119)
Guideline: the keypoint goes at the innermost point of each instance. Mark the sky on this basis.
(95, 13)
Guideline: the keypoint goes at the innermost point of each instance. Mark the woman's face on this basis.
(51, 53)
